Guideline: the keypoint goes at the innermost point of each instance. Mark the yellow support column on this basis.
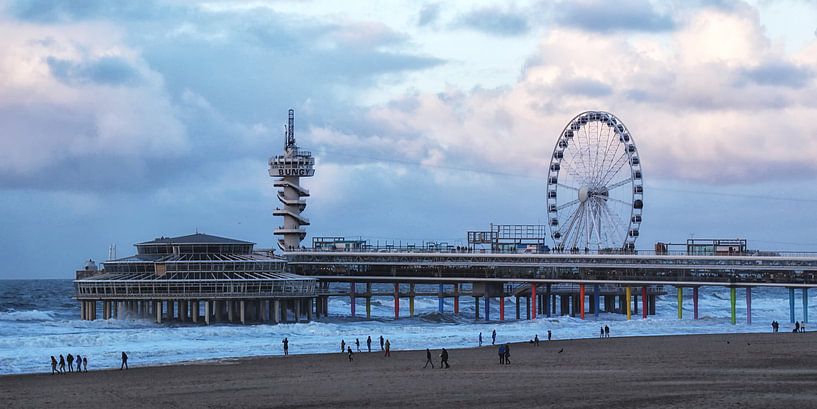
(628, 295)
(680, 303)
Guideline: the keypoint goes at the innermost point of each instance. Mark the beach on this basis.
(721, 370)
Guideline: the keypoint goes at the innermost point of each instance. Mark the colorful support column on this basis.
(476, 307)
(680, 291)
(596, 299)
(732, 300)
(581, 300)
(695, 303)
(749, 305)
(487, 307)
(628, 295)
(411, 300)
(791, 304)
(533, 297)
(644, 309)
(805, 304)
(396, 300)
(548, 308)
(457, 299)
(502, 307)
(352, 296)
(368, 300)
(441, 299)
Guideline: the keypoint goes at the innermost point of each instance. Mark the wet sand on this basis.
(743, 370)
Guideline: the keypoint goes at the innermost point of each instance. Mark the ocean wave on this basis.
(30, 315)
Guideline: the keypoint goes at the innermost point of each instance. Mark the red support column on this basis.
(695, 303)
(581, 300)
(533, 299)
(502, 308)
(644, 304)
(396, 300)
(457, 299)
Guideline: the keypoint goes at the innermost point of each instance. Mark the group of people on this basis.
(385, 346)
(443, 359)
(82, 363)
(534, 341)
(604, 332)
(505, 354)
(58, 367)
(798, 326)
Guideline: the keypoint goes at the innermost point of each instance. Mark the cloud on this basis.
(104, 70)
(779, 74)
(602, 17)
(495, 21)
(701, 111)
(428, 14)
(45, 11)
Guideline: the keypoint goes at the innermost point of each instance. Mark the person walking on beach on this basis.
(351, 354)
(342, 346)
(357, 344)
(480, 338)
(796, 326)
(507, 354)
(606, 331)
(62, 364)
(388, 348)
(285, 341)
(536, 340)
(70, 359)
(369, 343)
(79, 364)
(54, 365)
(601, 332)
(501, 354)
(381, 343)
(428, 359)
(549, 335)
(444, 359)
(493, 337)
(803, 326)
(85, 363)
(124, 361)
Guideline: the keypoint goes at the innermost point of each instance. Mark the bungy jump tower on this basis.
(290, 167)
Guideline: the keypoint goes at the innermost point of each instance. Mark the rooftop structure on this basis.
(224, 274)
(289, 167)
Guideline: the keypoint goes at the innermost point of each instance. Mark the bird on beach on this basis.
(561, 350)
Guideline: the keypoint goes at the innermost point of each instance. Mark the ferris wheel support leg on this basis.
(596, 306)
(581, 300)
(533, 297)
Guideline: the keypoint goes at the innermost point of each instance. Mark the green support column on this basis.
(805, 304)
(680, 302)
(732, 299)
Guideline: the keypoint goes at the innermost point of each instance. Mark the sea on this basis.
(40, 318)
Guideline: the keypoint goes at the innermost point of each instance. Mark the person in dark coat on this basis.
(124, 361)
(85, 363)
(79, 363)
(428, 359)
(444, 359)
(62, 364)
(507, 354)
(369, 343)
(536, 340)
(70, 359)
(342, 346)
(54, 365)
(381, 343)
(357, 344)
(351, 354)
(285, 341)
(493, 337)
(501, 354)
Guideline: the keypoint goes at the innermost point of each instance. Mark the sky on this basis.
(124, 121)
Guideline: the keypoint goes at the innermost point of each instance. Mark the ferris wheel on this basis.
(595, 190)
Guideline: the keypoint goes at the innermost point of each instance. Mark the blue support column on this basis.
(487, 308)
(596, 301)
(547, 300)
(440, 309)
(791, 305)
(805, 304)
